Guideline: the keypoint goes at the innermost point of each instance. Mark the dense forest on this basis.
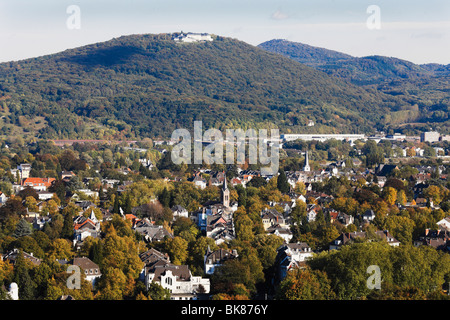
(149, 85)
(426, 86)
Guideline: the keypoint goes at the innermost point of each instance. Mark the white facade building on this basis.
(193, 37)
(178, 280)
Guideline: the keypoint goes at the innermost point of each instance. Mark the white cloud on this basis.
(278, 15)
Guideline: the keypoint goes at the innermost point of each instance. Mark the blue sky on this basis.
(418, 31)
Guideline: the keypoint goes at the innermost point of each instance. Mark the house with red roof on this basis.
(39, 184)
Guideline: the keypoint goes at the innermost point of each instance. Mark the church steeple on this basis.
(225, 192)
(306, 168)
(224, 185)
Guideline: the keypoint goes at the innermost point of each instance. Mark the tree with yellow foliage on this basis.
(390, 195)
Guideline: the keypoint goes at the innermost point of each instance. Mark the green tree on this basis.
(177, 249)
(244, 228)
(282, 183)
(198, 249)
(401, 197)
(157, 292)
(401, 228)
(23, 229)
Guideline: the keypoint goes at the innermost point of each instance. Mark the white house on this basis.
(289, 256)
(282, 232)
(178, 280)
(45, 195)
(299, 251)
(444, 223)
(369, 215)
(24, 170)
(179, 211)
(3, 198)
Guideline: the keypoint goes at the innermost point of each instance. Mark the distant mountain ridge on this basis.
(427, 86)
(370, 69)
(303, 53)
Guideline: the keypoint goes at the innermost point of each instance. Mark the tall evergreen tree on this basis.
(67, 230)
(23, 228)
(164, 198)
(282, 183)
(116, 204)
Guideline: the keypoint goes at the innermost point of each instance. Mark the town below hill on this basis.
(137, 226)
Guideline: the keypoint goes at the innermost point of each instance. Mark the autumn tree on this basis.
(305, 284)
(390, 195)
(177, 249)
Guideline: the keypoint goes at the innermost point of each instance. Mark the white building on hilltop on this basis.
(193, 37)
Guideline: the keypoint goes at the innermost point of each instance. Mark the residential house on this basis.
(214, 259)
(150, 258)
(438, 239)
(179, 211)
(178, 279)
(345, 219)
(311, 211)
(91, 270)
(23, 170)
(45, 195)
(237, 181)
(349, 237)
(67, 175)
(272, 217)
(40, 221)
(12, 255)
(217, 179)
(220, 228)
(385, 169)
(369, 215)
(289, 256)
(85, 227)
(444, 224)
(39, 184)
(198, 181)
(3, 198)
(283, 232)
(152, 233)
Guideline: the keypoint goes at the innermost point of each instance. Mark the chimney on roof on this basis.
(427, 231)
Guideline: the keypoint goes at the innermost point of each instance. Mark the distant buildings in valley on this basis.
(321, 137)
(433, 136)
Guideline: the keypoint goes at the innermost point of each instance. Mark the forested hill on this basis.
(426, 86)
(361, 70)
(148, 85)
(306, 54)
